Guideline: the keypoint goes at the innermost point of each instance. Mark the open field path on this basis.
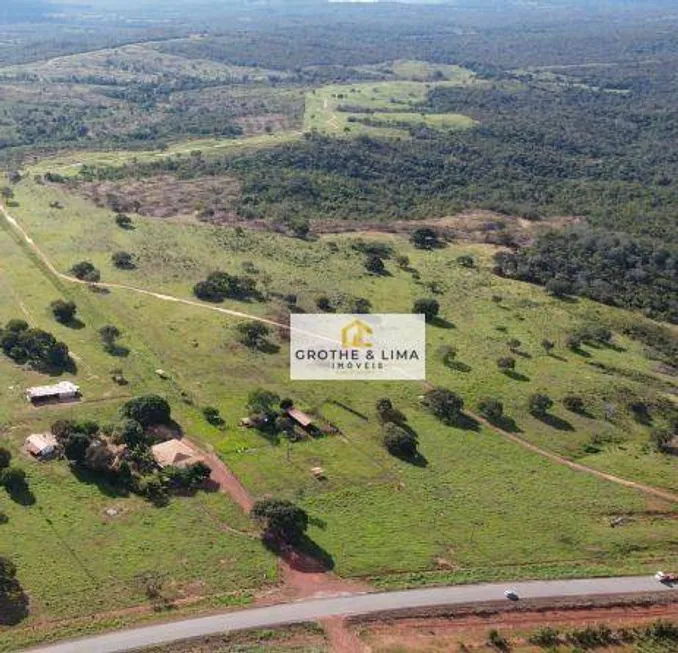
(647, 489)
(354, 604)
(663, 494)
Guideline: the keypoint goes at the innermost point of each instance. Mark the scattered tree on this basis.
(253, 334)
(109, 335)
(491, 409)
(123, 260)
(375, 264)
(213, 416)
(428, 307)
(574, 403)
(547, 345)
(425, 238)
(661, 440)
(323, 303)
(506, 363)
(444, 404)
(63, 311)
(148, 410)
(540, 404)
(123, 221)
(86, 271)
(400, 442)
(281, 519)
(5, 458)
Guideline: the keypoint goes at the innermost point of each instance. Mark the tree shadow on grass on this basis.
(268, 347)
(467, 423)
(103, 484)
(555, 422)
(558, 357)
(442, 323)
(306, 555)
(21, 495)
(74, 323)
(516, 376)
(458, 366)
(13, 605)
(119, 351)
(505, 423)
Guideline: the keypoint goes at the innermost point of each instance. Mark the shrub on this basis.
(506, 363)
(428, 307)
(574, 403)
(399, 442)
(85, 271)
(148, 410)
(444, 404)
(123, 260)
(212, 415)
(63, 311)
(281, 519)
(540, 404)
(425, 238)
(123, 221)
(375, 264)
(491, 409)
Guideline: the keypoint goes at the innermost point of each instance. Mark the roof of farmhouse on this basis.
(64, 387)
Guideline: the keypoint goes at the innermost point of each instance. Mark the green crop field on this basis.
(482, 507)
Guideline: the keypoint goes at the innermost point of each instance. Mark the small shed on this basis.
(41, 445)
(175, 453)
(300, 417)
(59, 392)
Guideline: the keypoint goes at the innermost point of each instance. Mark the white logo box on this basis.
(345, 347)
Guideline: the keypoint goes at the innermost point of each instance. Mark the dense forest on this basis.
(611, 268)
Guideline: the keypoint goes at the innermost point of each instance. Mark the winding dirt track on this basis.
(662, 494)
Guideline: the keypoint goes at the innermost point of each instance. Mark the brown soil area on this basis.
(474, 225)
(471, 625)
(164, 196)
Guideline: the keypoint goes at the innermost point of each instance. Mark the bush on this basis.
(444, 404)
(425, 238)
(123, 221)
(252, 334)
(375, 264)
(148, 410)
(545, 637)
(33, 346)
(5, 458)
(123, 260)
(540, 404)
(399, 442)
(85, 271)
(428, 307)
(221, 285)
(63, 311)
(212, 415)
(281, 519)
(574, 403)
(491, 409)
(506, 363)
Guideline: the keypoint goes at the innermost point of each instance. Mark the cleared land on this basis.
(388, 107)
(470, 508)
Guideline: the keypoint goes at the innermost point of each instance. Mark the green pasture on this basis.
(481, 508)
(340, 108)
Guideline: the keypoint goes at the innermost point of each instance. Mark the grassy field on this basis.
(337, 109)
(482, 508)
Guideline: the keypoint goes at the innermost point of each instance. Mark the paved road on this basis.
(354, 604)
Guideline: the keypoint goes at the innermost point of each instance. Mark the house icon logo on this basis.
(355, 335)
